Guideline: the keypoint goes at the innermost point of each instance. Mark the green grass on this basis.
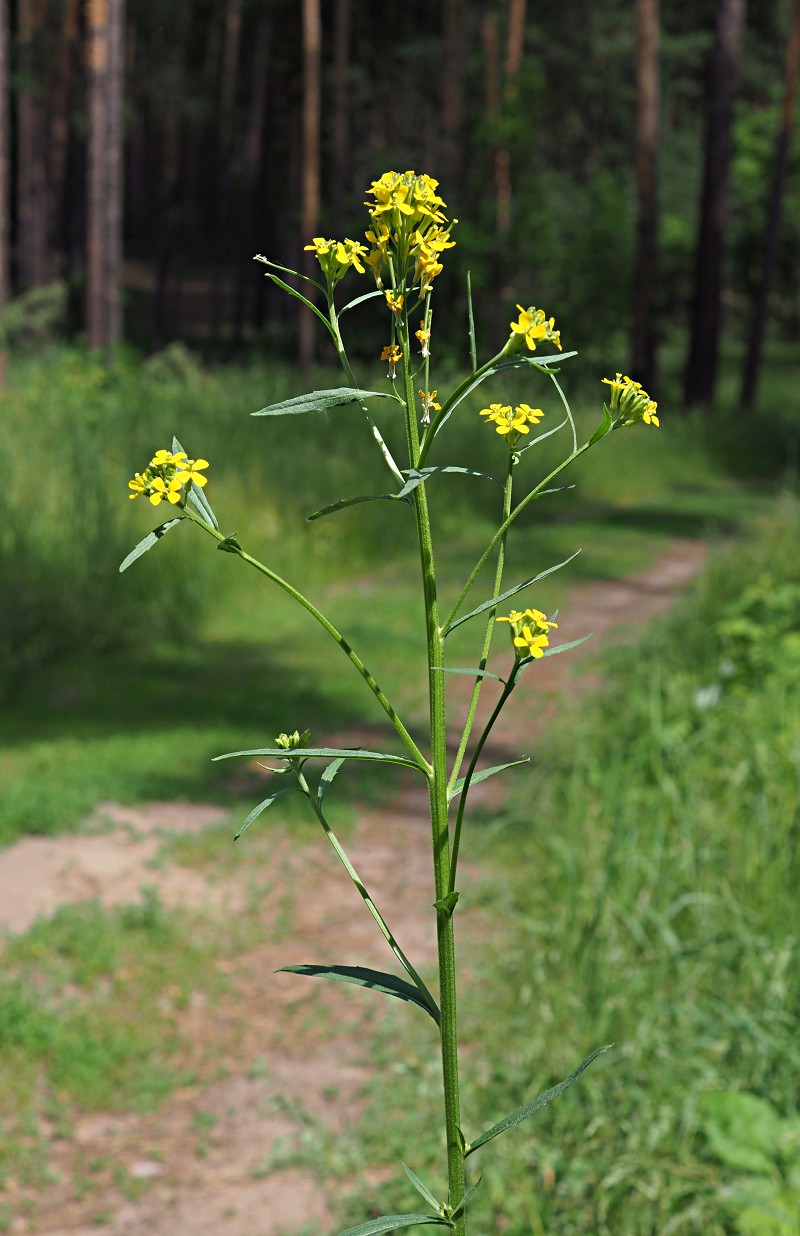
(641, 891)
(89, 1011)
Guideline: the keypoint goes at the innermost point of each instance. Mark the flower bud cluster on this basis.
(631, 401)
(531, 328)
(290, 742)
(165, 477)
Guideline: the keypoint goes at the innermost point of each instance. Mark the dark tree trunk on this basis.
(251, 205)
(701, 369)
(312, 65)
(647, 113)
(5, 213)
(33, 265)
(755, 343)
(63, 75)
(340, 121)
(105, 58)
(454, 34)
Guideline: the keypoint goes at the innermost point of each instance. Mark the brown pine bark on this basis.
(33, 264)
(340, 120)
(5, 263)
(454, 37)
(312, 64)
(515, 39)
(706, 318)
(643, 350)
(755, 343)
(105, 25)
(63, 73)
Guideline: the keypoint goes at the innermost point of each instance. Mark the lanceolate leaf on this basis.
(320, 401)
(463, 1203)
(504, 596)
(262, 806)
(195, 494)
(326, 780)
(389, 1223)
(603, 428)
(376, 980)
(334, 753)
(360, 300)
(416, 477)
(149, 541)
(547, 1096)
(553, 652)
(483, 774)
(420, 1187)
(541, 438)
(472, 673)
(343, 503)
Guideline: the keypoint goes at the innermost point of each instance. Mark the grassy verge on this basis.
(643, 892)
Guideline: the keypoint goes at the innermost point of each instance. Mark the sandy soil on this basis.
(199, 1166)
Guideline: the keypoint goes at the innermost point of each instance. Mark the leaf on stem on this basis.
(149, 541)
(420, 1187)
(417, 476)
(603, 428)
(361, 976)
(473, 349)
(521, 450)
(326, 780)
(504, 596)
(309, 304)
(388, 1223)
(483, 774)
(319, 401)
(262, 806)
(456, 1211)
(306, 753)
(360, 299)
(287, 270)
(547, 1096)
(195, 495)
(473, 673)
(345, 502)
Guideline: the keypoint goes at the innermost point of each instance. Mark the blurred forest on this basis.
(629, 169)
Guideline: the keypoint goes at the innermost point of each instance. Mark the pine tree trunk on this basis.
(755, 344)
(454, 36)
(105, 58)
(5, 213)
(312, 58)
(33, 266)
(647, 113)
(701, 370)
(65, 54)
(340, 121)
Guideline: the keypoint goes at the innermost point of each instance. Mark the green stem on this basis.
(487, 638)
(364, 894)
(503, 529)
(345, 362)
(232, 546)
(437, 781)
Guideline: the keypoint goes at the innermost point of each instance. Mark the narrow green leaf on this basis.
(547, 1096)
(287, 270)
(307, 753)
(447, 903)
(420, 1187)
(326, 780)
(473, 350)
(345, 502)
(287, 287)
(360, 300)
(484, 774)
(603, 428)
(389, 1223)
(504, 596)
(473, 673)
(575, 643)
(319, 401)
(542, 437)
(361, 976)
(195, 494)
(149, 541)
(262, 806)
(456, 1211)
(416, 477)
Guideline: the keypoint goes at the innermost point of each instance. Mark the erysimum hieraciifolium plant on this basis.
(407, 241)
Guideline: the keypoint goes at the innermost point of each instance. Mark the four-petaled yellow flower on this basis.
(534, 327)
(429, 405)
(337, 256)
(192, 470)
(392, 354)
(511, 424)
(424, 337)
(394, 302)
(529, 630)
(631, 401)
(159, 489)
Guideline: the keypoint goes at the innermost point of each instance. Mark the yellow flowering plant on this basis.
(408, 237)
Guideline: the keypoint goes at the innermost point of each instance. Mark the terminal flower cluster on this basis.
(529, 631)
(510, 424)
(631, 401)
(166, 476)
(533, 327)
(337, 256)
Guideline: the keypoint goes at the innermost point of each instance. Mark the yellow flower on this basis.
(424, 337)
(374, 260)
(631, 401)
(534, 327)
(392, 354)
(429, 405)
(159, 488)
(162, 458)
(529, 632)
(138, 485)
(395, 303)
(511, 424)
(337, 256)
(192, 470)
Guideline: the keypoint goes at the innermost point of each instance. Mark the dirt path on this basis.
(161, 1174)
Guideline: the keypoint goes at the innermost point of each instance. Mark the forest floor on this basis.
(272, 1053)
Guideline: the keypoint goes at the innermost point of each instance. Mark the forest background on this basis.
(628, 169)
